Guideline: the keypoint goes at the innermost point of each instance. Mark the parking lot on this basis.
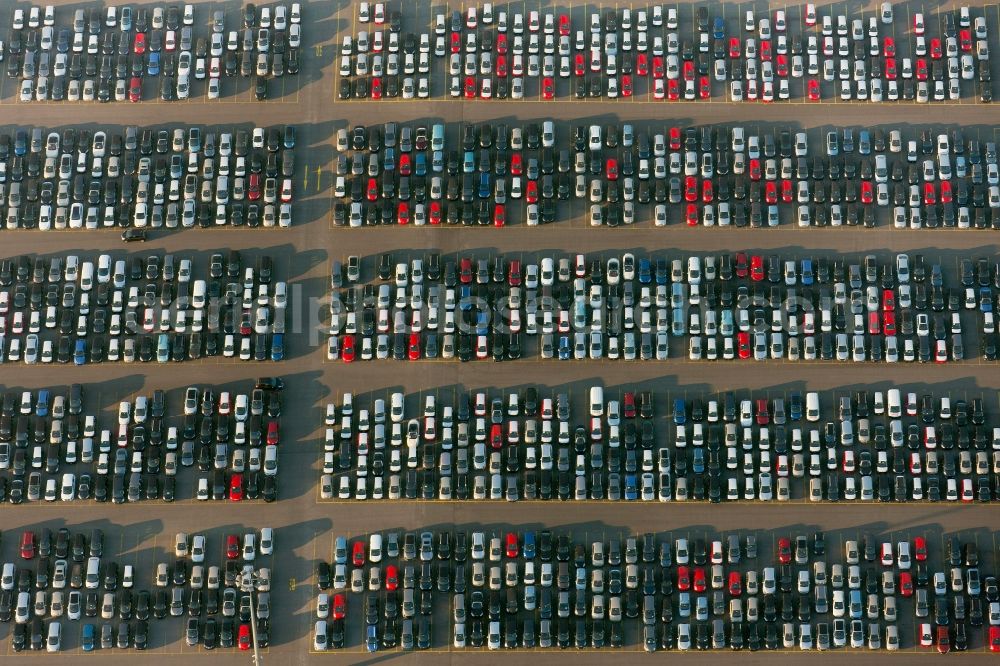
(306, 525)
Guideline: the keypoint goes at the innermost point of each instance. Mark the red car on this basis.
(516, 164)
(413, 349)
(347, 349)
(673, 90)
(921, 69)
(232, 547)
(889, 323)
(372, 189)
(786, 191)
(405, 165)
(502, 67)
(470, 87)
(502, 44)
(920, 549)
(965, 40)
(888, 301)
(930, 196)
(376, 89)
(658, 67)
(867, 193)
(272, 432)
(943, 639)
(135, 89)
(688, 70)
(531, 192)
(245, 638)
(734, 48)
(905, 584)
(548, 88)
(771, 192)
(946, 191)
(465, 270)
(339, 606)
(699, 583)
(704, 87)
(743, 344)
(511, 544)
(935, 50)
(690, 188)
(890, 69)
(563, 25)
(139, 45)
(642, 65)
(683, 578)
(781, 65)
(391, 578)
(496, 436)
(628, 405)
(741, 265)
(735, 584)
(994, 639)
(403, 213)
(27, 545)
(253, 191)
(358, 553)
(813, 90)
(784, 551)
(675, 138)
(757, 268)
(236, 487)
(579, 64)
(765, 50)
(626, 85)
(707, 192)
(889, 47)
(499, 215)
(874, 323)
(435, 212)
(514, 273)
(763, 412)
(456, 42)
(691, 215)
(755, 169)
(612, 168)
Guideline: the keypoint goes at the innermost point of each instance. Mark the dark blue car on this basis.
(80, 353)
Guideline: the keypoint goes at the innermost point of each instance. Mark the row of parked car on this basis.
(713, 176)
(146, 178)
(726, 449)
(56, 455)
(618, 57)
(107, 55)
(739, 306)
(511, 590)
(72, 581)
(64, 309)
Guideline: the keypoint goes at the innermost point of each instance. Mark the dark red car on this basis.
(784, 551)
(236, 488)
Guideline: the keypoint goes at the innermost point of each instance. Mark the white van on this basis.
(895, 403)
(87, 276)
(812, 406)
(93, 578)
(198, 294)
(596, 401)
(375, 548)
